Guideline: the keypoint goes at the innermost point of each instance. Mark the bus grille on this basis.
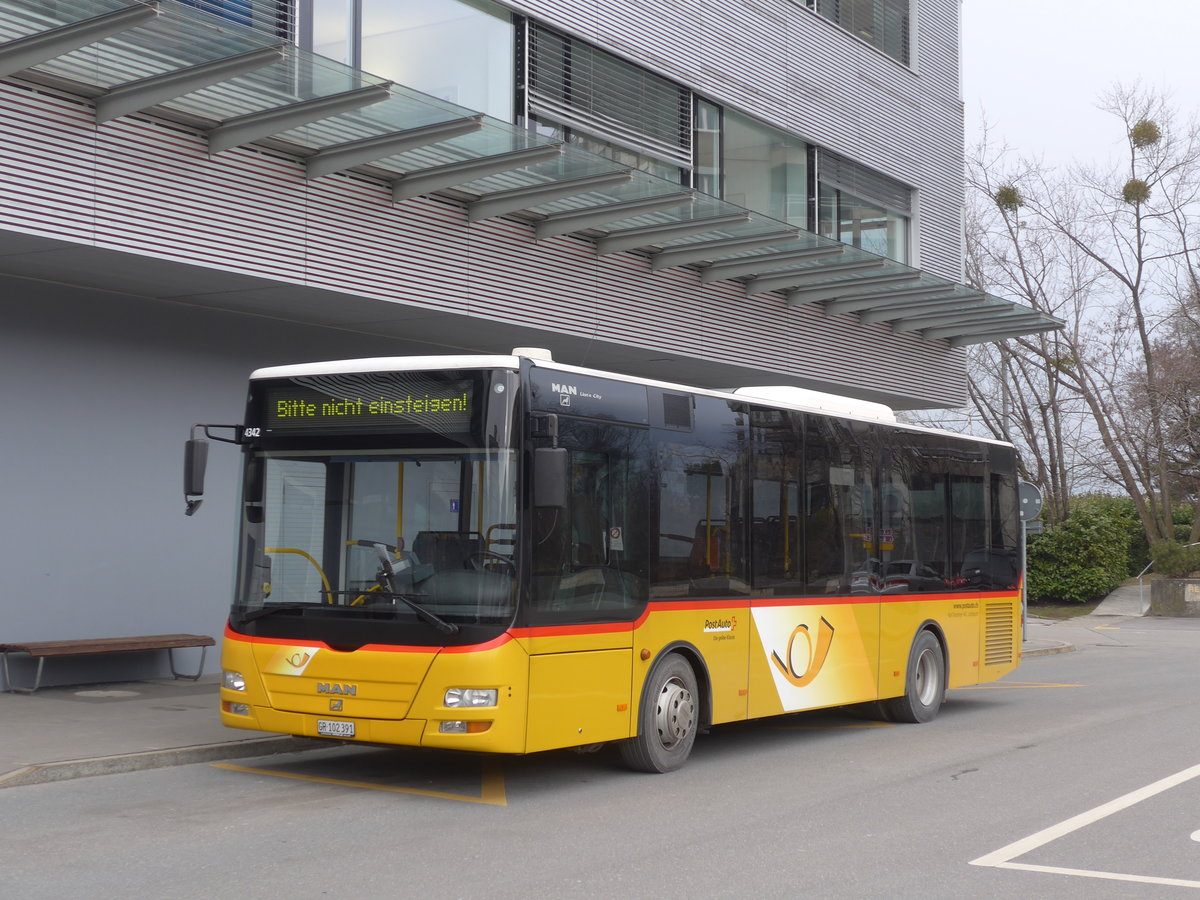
(998, 631)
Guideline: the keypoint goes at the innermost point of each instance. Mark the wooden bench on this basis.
(39, 650)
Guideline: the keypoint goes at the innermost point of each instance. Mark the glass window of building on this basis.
(706, 172)
(606, 105)
(460, 51)
(881, 23)
(861, 223)
(623, 155)
(331, 28)
(270, 16)
(765, 169)
(863, 208)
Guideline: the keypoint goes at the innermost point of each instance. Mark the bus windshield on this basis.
(407, 544)
(360, 528)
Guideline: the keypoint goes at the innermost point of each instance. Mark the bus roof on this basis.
(780, 396)
(386, 364)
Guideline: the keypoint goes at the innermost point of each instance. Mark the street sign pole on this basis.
(1030, 508)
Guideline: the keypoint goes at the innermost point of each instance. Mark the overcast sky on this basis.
(1036, 68)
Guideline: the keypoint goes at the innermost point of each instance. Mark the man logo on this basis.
(335, 705)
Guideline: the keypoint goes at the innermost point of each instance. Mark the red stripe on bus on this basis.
(563, 630)
(659, 606)
(321, 645)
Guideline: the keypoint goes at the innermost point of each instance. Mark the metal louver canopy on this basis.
(340, 157)
(240, 86)
(59, 38)
(144, 93)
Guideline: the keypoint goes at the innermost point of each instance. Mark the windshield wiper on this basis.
(430, 618)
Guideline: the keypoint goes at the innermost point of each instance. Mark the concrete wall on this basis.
(100, 391)
(1175, 597)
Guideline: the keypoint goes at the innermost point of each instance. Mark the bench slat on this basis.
(108, 645)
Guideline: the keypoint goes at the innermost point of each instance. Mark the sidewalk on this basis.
(72, 732)
(1124, 601)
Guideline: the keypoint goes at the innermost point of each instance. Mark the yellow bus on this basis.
(506, 554)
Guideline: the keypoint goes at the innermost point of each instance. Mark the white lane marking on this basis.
(1003, 858)
(1196, 835)
(1111, 876)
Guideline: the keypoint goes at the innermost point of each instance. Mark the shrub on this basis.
(1175, 559)
(1083, 558)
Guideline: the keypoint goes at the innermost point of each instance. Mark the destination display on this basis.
(391, 401)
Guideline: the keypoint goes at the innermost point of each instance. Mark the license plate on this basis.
(334, 728)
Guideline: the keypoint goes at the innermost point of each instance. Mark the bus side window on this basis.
(700, 506)
(776, 536)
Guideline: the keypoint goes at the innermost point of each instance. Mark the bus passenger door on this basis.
(588, 585)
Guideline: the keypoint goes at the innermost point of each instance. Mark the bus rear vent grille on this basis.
(998, 632)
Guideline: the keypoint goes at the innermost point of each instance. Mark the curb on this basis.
(153, 759)
(1058, 647)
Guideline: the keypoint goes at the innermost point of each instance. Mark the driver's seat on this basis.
(447, 550)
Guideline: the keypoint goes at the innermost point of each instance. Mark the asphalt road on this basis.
(1078, 776)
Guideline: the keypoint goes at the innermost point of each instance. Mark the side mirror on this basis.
(550, 477)
(195, 462)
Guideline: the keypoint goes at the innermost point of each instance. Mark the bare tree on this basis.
(1112, 252)
(1176, 357)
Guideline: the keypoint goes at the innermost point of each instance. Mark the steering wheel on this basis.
(478, 560)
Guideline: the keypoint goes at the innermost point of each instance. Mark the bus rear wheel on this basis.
(667, 720)
(924, 684)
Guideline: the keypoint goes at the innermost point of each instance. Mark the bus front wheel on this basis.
(924, 685)
(668, 718)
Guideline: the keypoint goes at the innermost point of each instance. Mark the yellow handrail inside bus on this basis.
(316, 565)
(361, 598)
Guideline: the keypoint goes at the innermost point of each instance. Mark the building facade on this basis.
(721, 193)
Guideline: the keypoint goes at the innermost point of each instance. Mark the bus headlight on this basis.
(469, 697)
(235, 681)
(461, 727)
(237, 709)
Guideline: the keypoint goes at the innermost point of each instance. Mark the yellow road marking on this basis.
(491, 791)
(833, 727)
(1015, 685)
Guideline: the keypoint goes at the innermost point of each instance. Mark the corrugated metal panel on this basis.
(789, 66)
(40, 141)
(139, 186)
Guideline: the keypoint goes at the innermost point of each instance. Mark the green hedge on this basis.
(1085, 557)
(1174, 558)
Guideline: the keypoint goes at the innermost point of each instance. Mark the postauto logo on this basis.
(719, 625)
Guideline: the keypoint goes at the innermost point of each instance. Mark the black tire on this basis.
(924, 684)
(667, 720)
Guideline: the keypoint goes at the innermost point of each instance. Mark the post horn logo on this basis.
(298, 660)
(816, 654)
